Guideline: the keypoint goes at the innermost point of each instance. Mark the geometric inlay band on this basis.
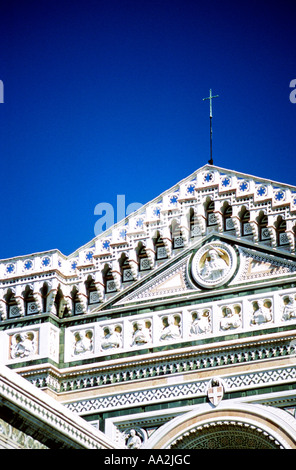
(181, 391)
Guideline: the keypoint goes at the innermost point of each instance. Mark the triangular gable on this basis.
(205, 178)
(173, 281)
(193, 193)
(185, 206)
(178, 277)
(256, 265)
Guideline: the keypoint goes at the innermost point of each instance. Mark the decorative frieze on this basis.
(168, 364)
(172, 326)
(12, 438)
(204, 320)
(185, 390)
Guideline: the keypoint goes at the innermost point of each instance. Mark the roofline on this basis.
(152, 201)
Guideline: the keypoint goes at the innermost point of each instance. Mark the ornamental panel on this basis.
(214, 264)
(29, 343)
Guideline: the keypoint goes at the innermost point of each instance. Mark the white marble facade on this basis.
(117, 296)
(155, 329)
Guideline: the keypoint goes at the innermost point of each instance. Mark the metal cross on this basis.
(210, 98)
(211, 131)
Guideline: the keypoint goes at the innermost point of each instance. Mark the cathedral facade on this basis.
(173, 329)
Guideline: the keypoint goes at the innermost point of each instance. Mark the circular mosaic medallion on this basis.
(214, 264)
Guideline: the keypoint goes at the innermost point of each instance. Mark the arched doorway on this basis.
(226, 435)
(237, 426)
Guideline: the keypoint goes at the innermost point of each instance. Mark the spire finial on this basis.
(211, 131)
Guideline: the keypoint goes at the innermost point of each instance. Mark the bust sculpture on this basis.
(23, 345)
(112, 338)
(231, 320)
(262, 314)
(201, 323)
(171, 331)
(141, 335)
(290, 308)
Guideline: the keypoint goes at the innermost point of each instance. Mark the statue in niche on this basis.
(214, 266)
(289, 308)
(134, 441)
(201, 323)
(23, 345)
(230, 319)
(141, 334)
(83, 342)
(262, 314)
(112, 337)
(171, 329)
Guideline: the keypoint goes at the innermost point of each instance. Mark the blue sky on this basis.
(104, 98)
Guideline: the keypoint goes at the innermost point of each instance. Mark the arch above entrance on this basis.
(228, 426)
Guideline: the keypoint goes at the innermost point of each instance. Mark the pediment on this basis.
(193, 271)
(257, 265)
(172, 281)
